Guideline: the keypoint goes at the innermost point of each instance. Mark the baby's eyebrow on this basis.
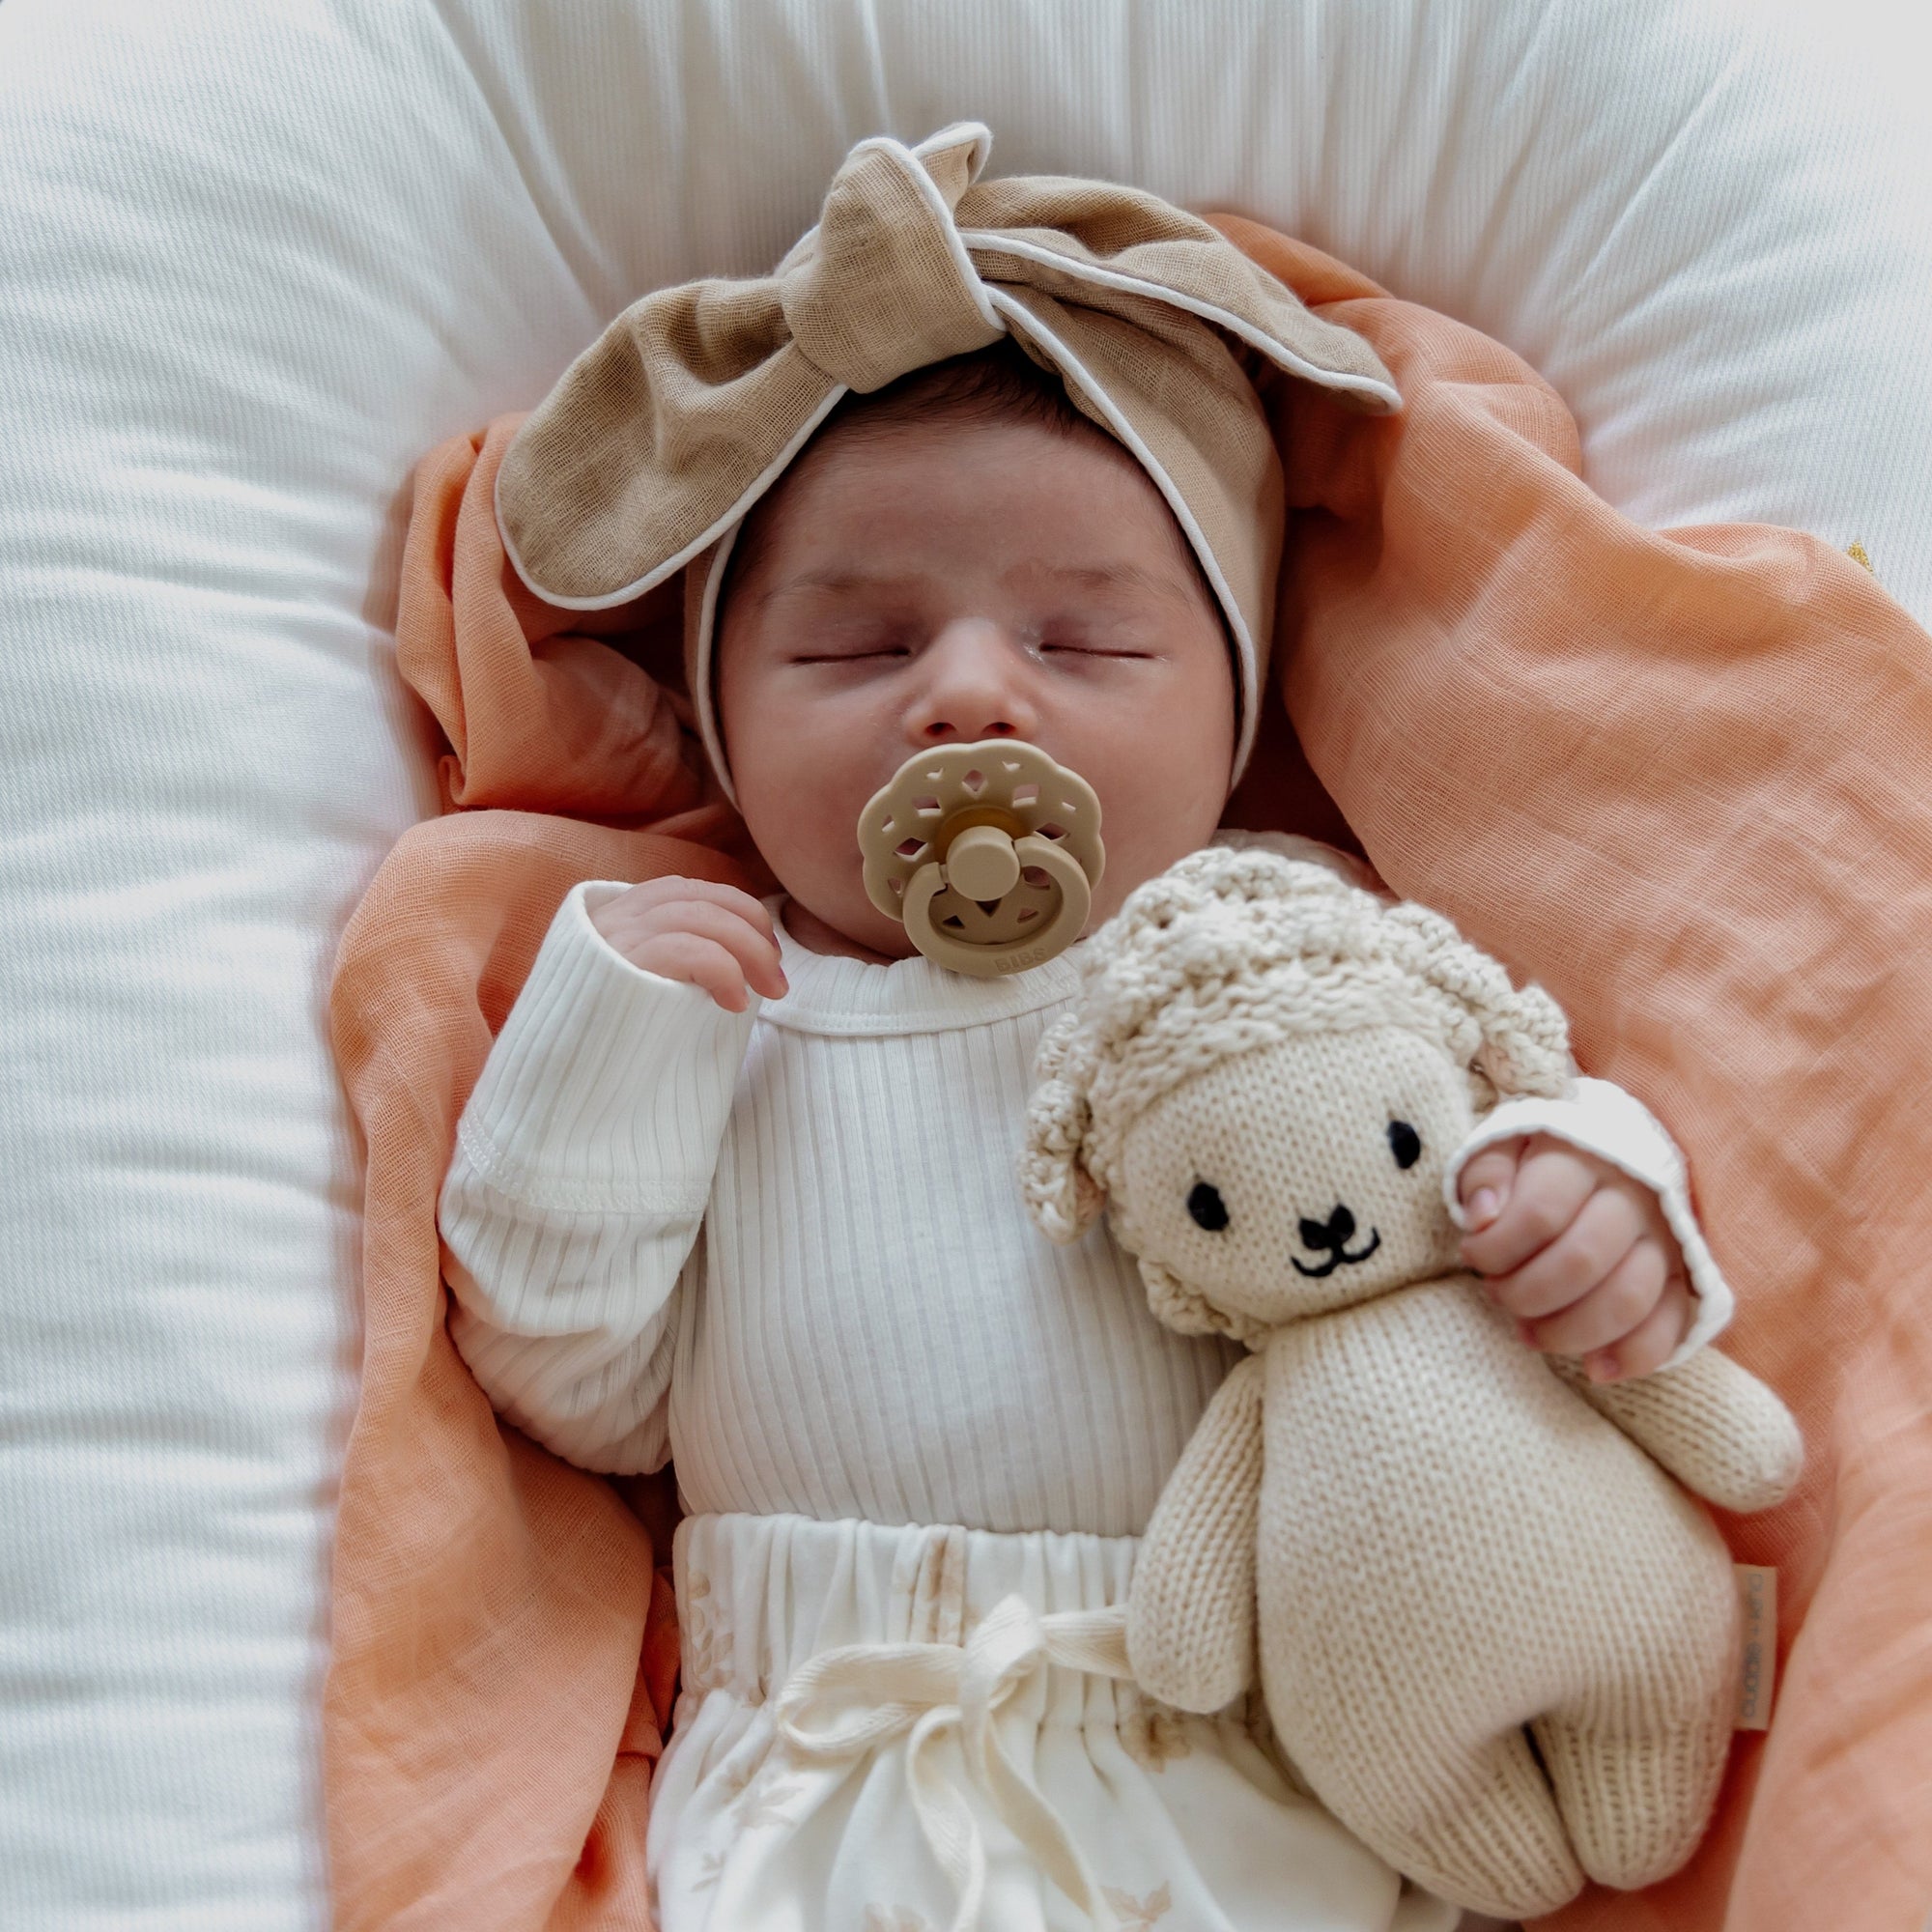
(839, 577)
(1118, 576)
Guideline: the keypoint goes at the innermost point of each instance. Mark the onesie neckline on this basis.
(831, 994)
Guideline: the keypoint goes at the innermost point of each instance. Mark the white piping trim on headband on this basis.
(997, 239)
(700, 697)
(1070, 365)
(952, 135)
(928, 190)
(651, 579)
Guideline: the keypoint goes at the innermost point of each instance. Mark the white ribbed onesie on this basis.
(788, 1247)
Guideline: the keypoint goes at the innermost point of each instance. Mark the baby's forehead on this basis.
(869, 509)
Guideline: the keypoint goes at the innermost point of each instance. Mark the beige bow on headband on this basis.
(663, 434)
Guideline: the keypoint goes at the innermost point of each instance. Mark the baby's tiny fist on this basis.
(1484, 1184)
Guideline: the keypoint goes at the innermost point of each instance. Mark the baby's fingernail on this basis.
(1483, 1207)
(1603, 1366)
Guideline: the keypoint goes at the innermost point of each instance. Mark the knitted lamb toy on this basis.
(1494, 1636)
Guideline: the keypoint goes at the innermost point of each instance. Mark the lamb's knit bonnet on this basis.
(1232, 950)
(646, 456)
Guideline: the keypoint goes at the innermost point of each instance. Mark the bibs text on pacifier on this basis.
(988, 852)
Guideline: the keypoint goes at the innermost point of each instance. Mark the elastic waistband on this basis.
(760, 1594)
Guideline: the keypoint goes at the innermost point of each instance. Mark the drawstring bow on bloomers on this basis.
(927, 1691)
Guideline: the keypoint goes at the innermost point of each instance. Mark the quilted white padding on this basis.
(255, 258)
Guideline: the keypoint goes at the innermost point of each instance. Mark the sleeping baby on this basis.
(982, 460)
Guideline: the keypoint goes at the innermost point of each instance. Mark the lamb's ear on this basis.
(1188, 1311)
(1061, 1195)
(1523, 1041)
(1526, 1043)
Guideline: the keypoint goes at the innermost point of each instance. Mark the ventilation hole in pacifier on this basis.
(988, 906)
(1025, 794)
(1052, 831)
(925, 806)
(897, 886)
(1028, 912)
(1035, 876)
(954, 920)
(975, 782)
(910, 849)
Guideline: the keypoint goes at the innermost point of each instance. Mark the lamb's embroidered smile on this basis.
(1333, 1235)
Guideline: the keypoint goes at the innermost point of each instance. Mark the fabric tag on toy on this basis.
(1757, 1588)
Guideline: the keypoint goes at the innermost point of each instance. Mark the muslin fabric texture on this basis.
(658, 439)
(1678, 762)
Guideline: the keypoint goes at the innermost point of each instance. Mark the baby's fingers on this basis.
(1484, 1185)
(673, 888)
(1651, 1343)
(697, 961)
(1604, 1315)
(1604, 1230)
(756, 953)
(1547, 1191)
(753, 947)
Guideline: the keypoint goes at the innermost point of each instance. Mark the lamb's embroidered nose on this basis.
(1330, 1239)
(1332, 1234)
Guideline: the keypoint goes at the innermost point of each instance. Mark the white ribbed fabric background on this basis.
(254, 259)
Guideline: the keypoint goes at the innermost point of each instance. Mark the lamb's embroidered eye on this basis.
(1208, 1210)
(1405, 1143)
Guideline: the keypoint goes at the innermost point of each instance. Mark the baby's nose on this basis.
(975, 685)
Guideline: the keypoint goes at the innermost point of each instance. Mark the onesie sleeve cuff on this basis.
(609, 1086)
(1601, 1119)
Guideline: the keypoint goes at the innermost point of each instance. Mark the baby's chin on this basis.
(829, 922)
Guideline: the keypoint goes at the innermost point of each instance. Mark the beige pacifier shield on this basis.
(989, 853)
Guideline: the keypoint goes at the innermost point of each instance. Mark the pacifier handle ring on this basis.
(1004, 845)
(1013, 955)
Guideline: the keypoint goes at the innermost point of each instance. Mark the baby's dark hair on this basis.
(999, 383)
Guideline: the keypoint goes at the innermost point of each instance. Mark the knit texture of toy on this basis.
(1436, 1544)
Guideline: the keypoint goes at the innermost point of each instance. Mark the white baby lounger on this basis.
(255, 259)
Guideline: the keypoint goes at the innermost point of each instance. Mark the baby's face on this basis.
(918, 584)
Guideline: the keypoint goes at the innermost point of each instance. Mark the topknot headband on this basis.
(660, 436)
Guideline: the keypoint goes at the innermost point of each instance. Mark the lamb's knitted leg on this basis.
(1495, 1842)
(1635, 1804)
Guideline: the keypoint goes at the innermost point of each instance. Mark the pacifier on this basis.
(989, 853)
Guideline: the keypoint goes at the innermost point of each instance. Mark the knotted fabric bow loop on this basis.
(851, 1700)
(883, 285)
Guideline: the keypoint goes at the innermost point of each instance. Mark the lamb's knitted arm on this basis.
(1191, 1614)
(582, 1165)
(1719, 1429)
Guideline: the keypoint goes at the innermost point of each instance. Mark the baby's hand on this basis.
(700, 933)
(1578, 1253)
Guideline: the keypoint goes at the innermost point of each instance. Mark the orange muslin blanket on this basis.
(1683, 779)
